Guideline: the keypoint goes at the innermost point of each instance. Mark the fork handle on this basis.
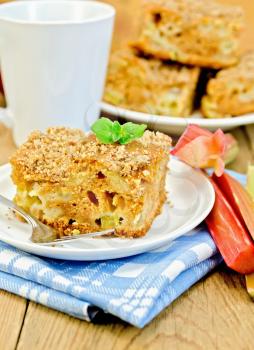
(68, 239)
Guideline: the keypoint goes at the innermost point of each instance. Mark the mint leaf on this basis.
(110, 132)
(131, 131)
(116, 130)
(103, 130)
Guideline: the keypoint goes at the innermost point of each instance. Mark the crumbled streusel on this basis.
(54, 155)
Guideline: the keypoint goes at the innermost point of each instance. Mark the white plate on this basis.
(176, 126)
(192, 197)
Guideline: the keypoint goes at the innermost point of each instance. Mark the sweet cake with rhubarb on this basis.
(198, 32)
(75, 183)
(149, 85)
(231, 92)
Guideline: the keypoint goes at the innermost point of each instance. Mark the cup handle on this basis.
(5, 118)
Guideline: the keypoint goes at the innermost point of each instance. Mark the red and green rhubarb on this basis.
(203, 149)
(231, 221)
(230, 234)
(239, 199)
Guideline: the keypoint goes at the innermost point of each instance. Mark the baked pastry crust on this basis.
(75, 184)
(149, 85)
(231, 92)
(198, 32)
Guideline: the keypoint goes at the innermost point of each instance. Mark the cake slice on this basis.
(75, 184)
(231, 92)
(198, 32)
(148, 85)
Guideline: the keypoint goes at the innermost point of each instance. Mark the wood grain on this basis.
(216, 313)
(12, 313)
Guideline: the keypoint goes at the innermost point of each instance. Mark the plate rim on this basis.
(177, 121)
(128, 251)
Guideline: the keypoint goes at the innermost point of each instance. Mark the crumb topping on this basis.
(53, 156)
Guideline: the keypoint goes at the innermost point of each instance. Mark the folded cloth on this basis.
(134, 289)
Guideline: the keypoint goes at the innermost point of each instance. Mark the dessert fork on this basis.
(42, 234)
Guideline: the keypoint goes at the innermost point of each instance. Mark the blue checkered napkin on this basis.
(135, 289)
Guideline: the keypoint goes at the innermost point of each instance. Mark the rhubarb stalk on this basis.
(230, 235)
(202, 149)
(239, 199)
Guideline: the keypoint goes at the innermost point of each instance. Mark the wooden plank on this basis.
(13, 309)
(216, 313)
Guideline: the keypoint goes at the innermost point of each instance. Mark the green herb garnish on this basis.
(110, 132)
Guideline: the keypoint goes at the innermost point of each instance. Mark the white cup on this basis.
(53, 58)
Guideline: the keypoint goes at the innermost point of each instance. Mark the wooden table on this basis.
(216, 313)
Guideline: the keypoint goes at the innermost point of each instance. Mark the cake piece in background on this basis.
(231, 92)
(76, 184)
(148, 85)
(198, 32)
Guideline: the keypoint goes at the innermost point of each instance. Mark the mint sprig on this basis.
(110, 132)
